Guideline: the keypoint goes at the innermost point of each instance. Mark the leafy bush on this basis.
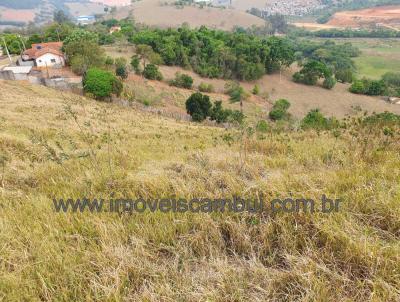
(329, 83)
(256, 90)
(101, 84)
(375, 87)
(151, 72)
(236, 117)
(279, 110)
(135, 63)
(182, 81)
(392, 78)
(198, 106)
(121, 68)
(109, 61)
(204, 87)
(219, 114)
(316, 120)
(344, 75)
(357, 87)
(262, 126)
(121, 71)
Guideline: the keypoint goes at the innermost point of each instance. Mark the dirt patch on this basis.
(18, 15)
(381, 16)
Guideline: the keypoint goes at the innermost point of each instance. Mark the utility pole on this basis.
(5, 45)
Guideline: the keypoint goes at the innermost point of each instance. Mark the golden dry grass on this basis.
(55, 145)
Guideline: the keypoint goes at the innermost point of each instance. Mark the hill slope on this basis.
(64, 146)
(165, 14)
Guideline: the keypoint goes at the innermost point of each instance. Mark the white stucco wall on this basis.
(50, 59)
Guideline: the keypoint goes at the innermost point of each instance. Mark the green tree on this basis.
(198, 106)
(311, 72)
(100, 83)
(145, 52)
(281, 54)
(60, 17)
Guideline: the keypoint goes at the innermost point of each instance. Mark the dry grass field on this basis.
(165, 14)
(337, 102)
(55, 145)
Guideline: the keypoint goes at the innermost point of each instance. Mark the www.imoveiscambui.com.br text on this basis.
(198, 205)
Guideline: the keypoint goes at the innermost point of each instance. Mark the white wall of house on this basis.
(49, 60)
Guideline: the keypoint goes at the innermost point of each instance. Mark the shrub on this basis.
(109, 61)
(357, 87)
(101, 84)
(369, 87)
(198, 106)
(204, 87)
(121, 71)
(219, 114)
(256, 90)
(135, 63)
(279, 110)
(329, 83)
(151, 72)
(375, 87)
(392, 78)
(182, 81)
(262, 126)
(316, 120)
(344, 76)
(236, 116)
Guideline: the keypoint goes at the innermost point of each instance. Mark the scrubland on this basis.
(56, 145)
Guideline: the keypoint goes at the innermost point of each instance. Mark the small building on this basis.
(44, 55)
(85, 20)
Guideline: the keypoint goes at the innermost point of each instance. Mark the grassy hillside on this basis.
(166, 14)
(55, 145)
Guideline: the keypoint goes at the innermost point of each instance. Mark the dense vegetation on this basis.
(326, 60)
(345, 33)
(218, 54)
(389, 85)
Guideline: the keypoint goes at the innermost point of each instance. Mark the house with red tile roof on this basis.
(45, 54)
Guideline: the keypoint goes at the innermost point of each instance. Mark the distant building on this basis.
(44, 55)
(85, 20)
